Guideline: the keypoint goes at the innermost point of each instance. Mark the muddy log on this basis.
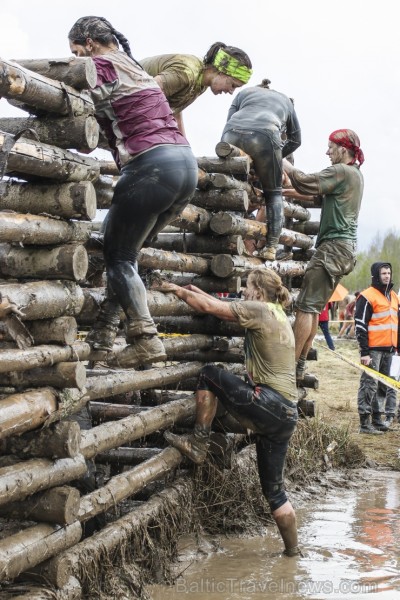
(28, 157)
(235, 199)
(239, 165)
(151, 258)
(63, 375)
(225, 265)
(207, 284)
(26, 411)
(196, 324)
(34, 92)
(220, 181)
(105, 411)
(62, 330)
(45, 299)
(117, 433)
(61, 440)
(21, 479)
(58, 505)
(32, 546)
(199, 244)
(104, 187)
(81, 133)
(63, 262)
(227, 224)
(67, 200)
(127, 456)
(208, 356)
(128, 483)
(41, 356)
(294, 211)
(98, 548)
(194, 219)
(108, 167)
(72, 590)
(225, 149)
(307, 227)
(78, 72)
(40, 230)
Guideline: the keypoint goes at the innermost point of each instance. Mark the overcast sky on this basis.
(338, 60)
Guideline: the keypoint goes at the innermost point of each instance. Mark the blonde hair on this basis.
(269, 284)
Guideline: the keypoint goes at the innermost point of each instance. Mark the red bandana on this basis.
(350, 140)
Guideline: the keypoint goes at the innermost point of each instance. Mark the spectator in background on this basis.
(324, 325)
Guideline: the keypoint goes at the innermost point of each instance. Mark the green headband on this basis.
(225, 63)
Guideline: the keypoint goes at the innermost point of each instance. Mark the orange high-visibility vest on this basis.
(383, 325)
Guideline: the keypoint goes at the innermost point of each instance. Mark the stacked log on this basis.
(51, 265)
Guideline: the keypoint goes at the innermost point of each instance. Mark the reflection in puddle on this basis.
(350, 538)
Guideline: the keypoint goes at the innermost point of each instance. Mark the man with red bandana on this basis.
(341, 187)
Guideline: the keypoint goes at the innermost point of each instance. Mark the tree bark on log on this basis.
(196, 324)
(225, 149)
(108, 167)
(193, 219)
(67, 200)
(63, 262)
(128, 483)
(105, 411)
(104, 187)
(62, 330)
(41, 356)
(102, 545)
(235, 199)
(80, 133)
(26, 411)
(31, 158)
(239, 165)
(210, 356)
(31, 546)
(207, 284)
(199, 244)
(40, 230)
(34, 92)
(149, 258)
(220, 181)
(20, 480)
(62, 375)
(78, 72)
(45, 299)
(61, 440)
(126, 456)
(58, 505)
(113, 434)
(227, 224)
(225, 265)
(307, 227)
(72, 590)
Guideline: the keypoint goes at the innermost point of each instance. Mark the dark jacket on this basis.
(364, 311)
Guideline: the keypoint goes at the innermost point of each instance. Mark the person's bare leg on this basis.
(304, 328)
(285, 518)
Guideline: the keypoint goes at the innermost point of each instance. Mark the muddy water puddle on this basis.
(351, 543)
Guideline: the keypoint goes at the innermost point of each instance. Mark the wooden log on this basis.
(220, 181)
(294, 211)
(67, 200)
(26, 411)
(235, 199)
(40, 230)
(63, 262)
(61, 440)
(61, 375)
(112, 434)
(126, 456)
(62, 330)
(108, 167)
(25, 88)
(196, 324)
(101, 546)
(239, 165)
(78, 72)
(193, 218)
(20, 480)
(72, 590)
(207, 284)
(104, 187)
(309, 381)
(81, 133)
(128, 483)
(228, 224)
(211, 356)
(58, 505)
(32, 158)
(199, 244)
(307, 227)
(45, 299)
(41, 356)
(225, 149)
(31, 546)
(150, 258)
(105, 411)
(225, 265)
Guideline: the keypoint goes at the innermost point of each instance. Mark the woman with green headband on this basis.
(263, 123)
(184, 77)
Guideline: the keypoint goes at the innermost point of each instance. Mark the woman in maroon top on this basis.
(158, 177)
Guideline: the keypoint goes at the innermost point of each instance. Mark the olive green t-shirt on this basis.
(181, 77)
(269, 345)
(342, 189)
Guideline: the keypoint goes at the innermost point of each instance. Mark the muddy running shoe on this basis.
(283, 254)
(188, 445)
(102, 336)
(366, 427)
(148, 349)
(267, 253)
(389, 421)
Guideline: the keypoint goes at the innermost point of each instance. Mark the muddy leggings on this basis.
(265, 148)
(264, 411)
(152, 190)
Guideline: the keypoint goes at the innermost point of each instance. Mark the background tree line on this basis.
(382, 248)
